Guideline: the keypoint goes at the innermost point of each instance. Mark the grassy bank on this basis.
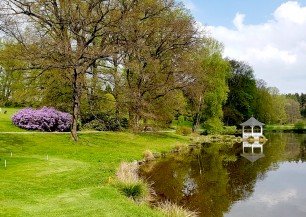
(279, 127)
(47, 174)
(285, 128)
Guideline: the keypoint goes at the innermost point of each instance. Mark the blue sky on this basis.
(270, 35)
(221, 12)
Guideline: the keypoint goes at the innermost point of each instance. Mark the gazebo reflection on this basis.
(252, 151)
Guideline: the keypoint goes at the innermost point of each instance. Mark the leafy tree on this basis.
(263, 107)
(242, 93)
(303, 104)
(278, 105)
(209, 89)
(292, 109)
(66, 35)
(216, 90)
(301, 98)
(16, 88)
(157, 59)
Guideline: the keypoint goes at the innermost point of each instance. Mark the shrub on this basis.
(103, 122)
(185, 131)
(180, 120)
(213, 126)
(44, 119)
(95, 125)
(148, 155)
(130, 184)
(299, 125)
(136, 190)
(227, 130)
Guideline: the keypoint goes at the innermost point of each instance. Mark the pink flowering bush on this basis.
(44, 119)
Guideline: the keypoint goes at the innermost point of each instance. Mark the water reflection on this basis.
(234, 180)
(252, 151)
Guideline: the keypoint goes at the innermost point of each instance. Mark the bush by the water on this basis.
(183, 130)
(130, 184)
(44, 119)
(299, 125)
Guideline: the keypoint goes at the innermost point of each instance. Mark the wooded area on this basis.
(128, 63)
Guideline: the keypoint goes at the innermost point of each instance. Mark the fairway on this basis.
(48, 174)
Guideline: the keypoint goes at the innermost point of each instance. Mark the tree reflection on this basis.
(211, 178)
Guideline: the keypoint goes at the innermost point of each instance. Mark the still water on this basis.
(221, 180)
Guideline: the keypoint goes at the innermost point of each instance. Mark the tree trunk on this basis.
(134, 121)
(197, 117)
(116, 89)
(76, 104)
(196, 122)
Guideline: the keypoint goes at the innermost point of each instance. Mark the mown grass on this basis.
(48, 174)
(6, 122)
(279, 127)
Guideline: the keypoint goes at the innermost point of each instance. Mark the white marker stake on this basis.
(11, 154)
(4, 162)
(47, 157)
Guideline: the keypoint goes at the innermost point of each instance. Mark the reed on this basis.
(173, 210)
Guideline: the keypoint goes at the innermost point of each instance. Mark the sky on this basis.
(268, 35)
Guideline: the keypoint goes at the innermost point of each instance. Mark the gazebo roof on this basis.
(252, 157)
(252, 122)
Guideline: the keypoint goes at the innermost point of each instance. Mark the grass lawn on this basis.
(6, 124)
(280, 127)
(50, 175)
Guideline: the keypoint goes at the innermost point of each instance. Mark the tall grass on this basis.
(172, 210)
(128, 172)
(130, 184)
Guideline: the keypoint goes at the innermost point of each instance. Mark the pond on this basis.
(236, 180)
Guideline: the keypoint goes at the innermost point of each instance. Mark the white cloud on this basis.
(275, 198)
(275, 49)
(291, 12)
(238, 21)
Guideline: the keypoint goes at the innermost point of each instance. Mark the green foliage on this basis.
(218, 72)
(300, 125)
(228, 130)
(94, 125)
(213, 126)
(242, 92)
(183, 130)
(103, 122)
(209, 90)
(136, 191)
(180, 120)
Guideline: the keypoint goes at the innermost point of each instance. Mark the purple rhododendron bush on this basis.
(43, 119)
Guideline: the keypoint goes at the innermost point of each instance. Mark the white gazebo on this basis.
(252, 127)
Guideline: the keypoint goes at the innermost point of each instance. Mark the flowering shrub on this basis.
(44, 119)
